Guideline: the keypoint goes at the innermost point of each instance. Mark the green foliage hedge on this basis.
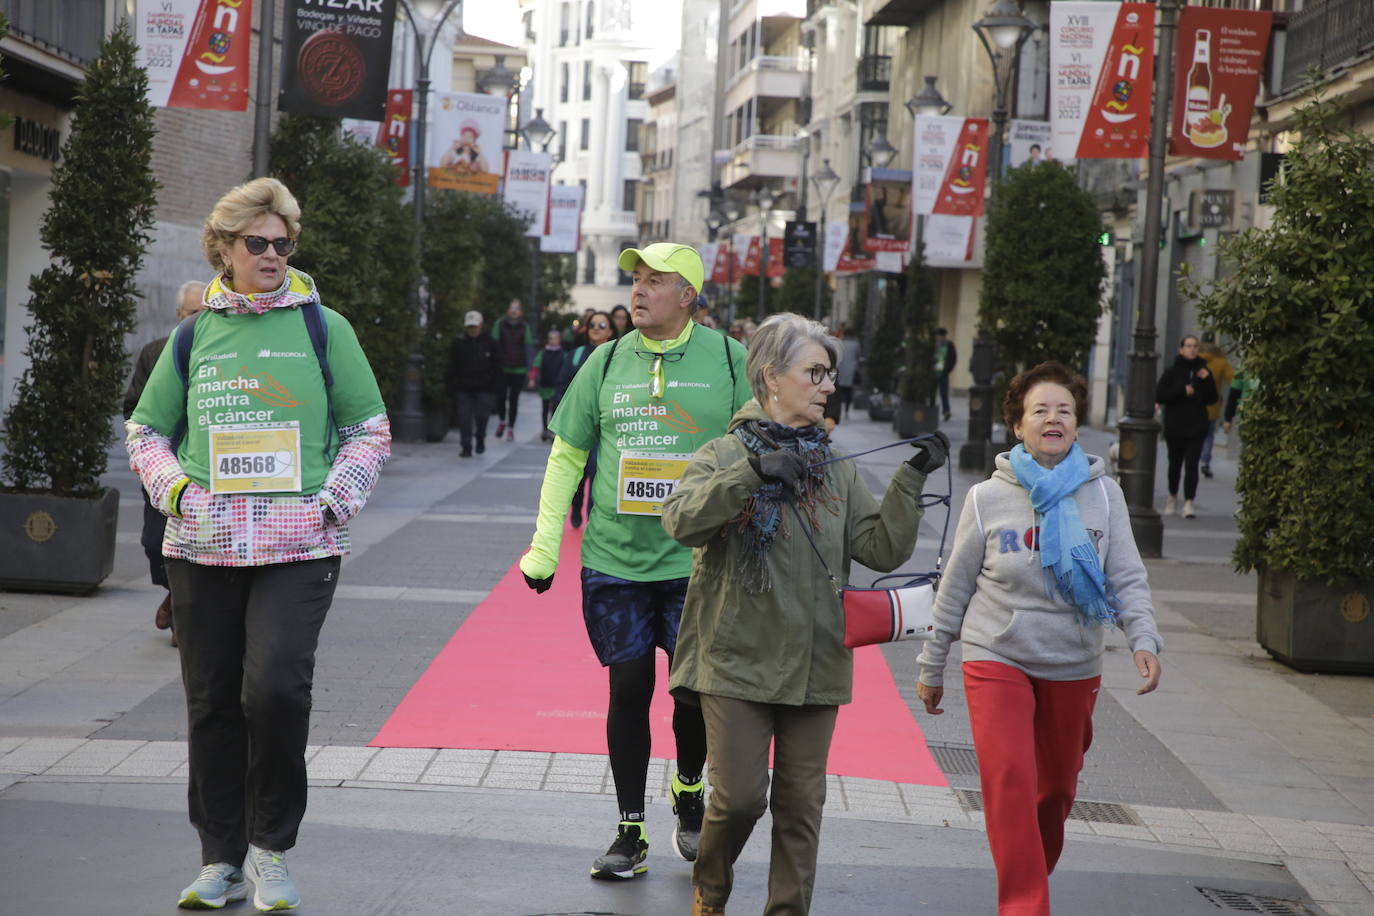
(83, 304)
(1298, 305)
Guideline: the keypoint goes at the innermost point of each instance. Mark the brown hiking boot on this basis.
(162, 618)
(700, 908)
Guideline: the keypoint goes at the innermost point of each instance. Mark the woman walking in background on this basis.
(1186, 390)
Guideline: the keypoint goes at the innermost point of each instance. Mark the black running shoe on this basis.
(689, 804)
(625, 858)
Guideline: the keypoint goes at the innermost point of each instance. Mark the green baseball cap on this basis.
(668, 258)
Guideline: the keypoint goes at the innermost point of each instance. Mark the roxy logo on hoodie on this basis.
(1009, 541)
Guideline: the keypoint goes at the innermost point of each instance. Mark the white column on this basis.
(596, 175)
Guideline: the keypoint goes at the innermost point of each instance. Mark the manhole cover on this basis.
(1239, 902)
(955, 759)
(1100, 812)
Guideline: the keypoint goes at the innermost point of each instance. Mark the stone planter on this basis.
(1314, 627)
(437, 421)
(57, 543)
(881, 407)
(913, 419)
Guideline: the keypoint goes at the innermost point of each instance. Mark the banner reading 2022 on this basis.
(195, 52)
(1101, 79)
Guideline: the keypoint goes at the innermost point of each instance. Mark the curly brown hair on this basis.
(1014, 404)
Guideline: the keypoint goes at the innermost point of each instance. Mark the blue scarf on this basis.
(1067, 554)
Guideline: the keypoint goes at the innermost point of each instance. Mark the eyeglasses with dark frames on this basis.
(256, 244)
(817, 373)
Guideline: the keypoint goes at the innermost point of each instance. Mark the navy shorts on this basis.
(626, 620)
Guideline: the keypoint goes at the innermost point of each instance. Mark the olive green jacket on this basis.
(785, 645)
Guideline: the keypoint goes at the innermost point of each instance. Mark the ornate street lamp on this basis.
(537, 133)
(928, 101)
(1002, 30)
(763, 199)
(881, 152)
(825, 181)
(427, 19)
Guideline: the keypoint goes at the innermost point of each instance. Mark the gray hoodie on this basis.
(993, 597)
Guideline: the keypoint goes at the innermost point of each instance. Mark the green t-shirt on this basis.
(618, 415)
(247, 368)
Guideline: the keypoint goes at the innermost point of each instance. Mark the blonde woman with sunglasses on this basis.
(259, 448)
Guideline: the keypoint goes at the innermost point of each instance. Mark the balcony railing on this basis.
(1323, 34)
(767, 142)
(771, 64)
(875, 73)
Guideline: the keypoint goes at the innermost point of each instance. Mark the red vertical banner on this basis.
(752, 257)
(1216, 77)
(394, 135)
(722, 271)
(775, 262)
(963, 189)
(1118, 120)
(213, 71)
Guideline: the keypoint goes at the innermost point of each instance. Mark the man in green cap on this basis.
(648, 401)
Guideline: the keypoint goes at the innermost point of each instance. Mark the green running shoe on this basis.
(218, 884)
(274, 889)
(689, 804)
(625, 858)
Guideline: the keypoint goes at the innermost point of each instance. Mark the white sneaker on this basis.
(1170, 505)
(273, 887)
(218, 884)
(1188, 511)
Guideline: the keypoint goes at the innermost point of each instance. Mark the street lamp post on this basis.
(879, 154)
(763, 199)
(1002, 30)
(427, 19)
(1138, 428)
(537, 132)
(825, 181)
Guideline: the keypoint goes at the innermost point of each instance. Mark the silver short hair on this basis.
(778, 342)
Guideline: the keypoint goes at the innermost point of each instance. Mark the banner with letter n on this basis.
(195, 52)
(336, 57)
(1220, 59)
(1101, 78)
(949, 174)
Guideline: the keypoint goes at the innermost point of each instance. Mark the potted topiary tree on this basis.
(885, 351)
(58, 528)
(917, 412)
(1042, 282)
(1299, 309)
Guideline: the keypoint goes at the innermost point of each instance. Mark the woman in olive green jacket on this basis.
(761, 641)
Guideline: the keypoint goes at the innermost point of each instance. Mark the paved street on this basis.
(1239, 786)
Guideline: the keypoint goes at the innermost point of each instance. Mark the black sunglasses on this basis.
(256, 244)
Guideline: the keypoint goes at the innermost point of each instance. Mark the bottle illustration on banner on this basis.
(1205, 124)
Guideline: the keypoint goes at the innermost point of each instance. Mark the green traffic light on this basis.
(1104, 239)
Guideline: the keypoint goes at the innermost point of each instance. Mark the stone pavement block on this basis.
(37, 754)
(397, 764)
(1193, 838)
(1332, 885)
(94, 758)
(1247, 842)
(155, 758)
(451, 779)
(340, 762)
(9, 743)
(1123, 831)
(512, 781)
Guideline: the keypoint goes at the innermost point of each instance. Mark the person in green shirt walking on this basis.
(646, 401)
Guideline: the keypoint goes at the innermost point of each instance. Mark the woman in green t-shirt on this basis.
(260, 433)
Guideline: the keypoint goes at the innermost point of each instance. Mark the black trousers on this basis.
(508, 397)
(247, 636)
(474, 409)
(154, 526)
(1183, 456)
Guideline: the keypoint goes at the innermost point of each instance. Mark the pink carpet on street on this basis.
(519, 674)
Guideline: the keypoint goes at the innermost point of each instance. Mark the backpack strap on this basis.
(730, 363)
(319, 339)
(181, 359)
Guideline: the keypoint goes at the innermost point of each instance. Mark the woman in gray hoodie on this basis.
(1043, 562)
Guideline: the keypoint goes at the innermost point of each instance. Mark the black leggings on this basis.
(627, 731)
(1184, 455)
(508, 397)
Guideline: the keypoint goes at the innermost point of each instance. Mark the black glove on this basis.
(781, 465)
(930, 453)
(540, 586)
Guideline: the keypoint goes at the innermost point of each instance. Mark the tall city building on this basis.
(590, 63)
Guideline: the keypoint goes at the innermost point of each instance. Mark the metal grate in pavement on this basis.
(1100, 812)
(1239, 902)
(955, 759)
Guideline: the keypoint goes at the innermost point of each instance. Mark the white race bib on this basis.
(255, 458)
(645, 480)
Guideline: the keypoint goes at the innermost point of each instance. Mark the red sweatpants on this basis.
(1027, 796)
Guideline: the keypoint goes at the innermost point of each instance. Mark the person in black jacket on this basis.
(1185, 390)
(190, 299)
(474, 376)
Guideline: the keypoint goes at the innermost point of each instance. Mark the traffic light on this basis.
(1104, 238)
